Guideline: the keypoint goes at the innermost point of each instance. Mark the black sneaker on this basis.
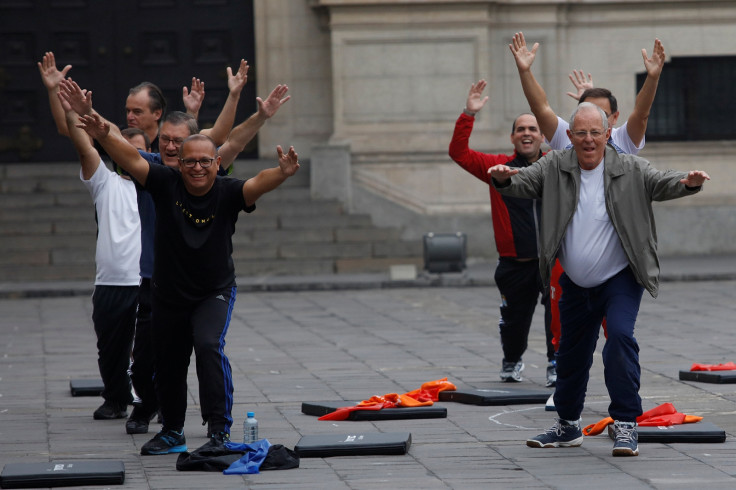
(138, 421)
(511, 371)
(551, 373)
(110, 410)
(217, 442)
(165, 442)
(626, 439)
(561, 434)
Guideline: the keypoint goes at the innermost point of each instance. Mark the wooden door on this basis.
(113, 46)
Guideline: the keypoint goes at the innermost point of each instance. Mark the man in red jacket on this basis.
(515, 231)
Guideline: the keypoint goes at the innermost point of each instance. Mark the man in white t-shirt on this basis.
(597, 218)
(117, 256)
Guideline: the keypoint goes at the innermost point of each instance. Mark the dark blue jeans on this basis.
(581, 312)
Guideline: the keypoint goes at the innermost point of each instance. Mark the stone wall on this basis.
(385, 80)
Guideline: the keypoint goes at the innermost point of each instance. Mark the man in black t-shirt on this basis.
(193, 279)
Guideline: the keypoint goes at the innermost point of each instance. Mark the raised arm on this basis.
(224, 123)
(637, 122)
(533, 91)
(269, 179)
(119, 149)
(245, 131)
(89, 158)
(51, 77)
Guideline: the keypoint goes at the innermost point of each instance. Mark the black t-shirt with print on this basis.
(193, 238)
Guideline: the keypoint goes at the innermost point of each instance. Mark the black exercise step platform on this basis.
(355, 444)
(697, 432)
(86, 387)
(720, 377)
(501, 395)
(399, 413)
(62, 474)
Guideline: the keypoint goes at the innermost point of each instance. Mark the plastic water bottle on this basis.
(250, 428)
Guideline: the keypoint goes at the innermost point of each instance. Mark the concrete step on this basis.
(46, 272)
(48, 229)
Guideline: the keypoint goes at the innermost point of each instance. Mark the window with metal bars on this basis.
(695, 100)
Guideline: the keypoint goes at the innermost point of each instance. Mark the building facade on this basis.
(378, 84)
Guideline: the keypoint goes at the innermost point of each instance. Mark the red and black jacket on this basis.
(515, 220)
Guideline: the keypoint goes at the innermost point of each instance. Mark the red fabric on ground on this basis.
(661, 416)
(727, 366)
(424, 396)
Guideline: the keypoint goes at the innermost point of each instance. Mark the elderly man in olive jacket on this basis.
(597, 219)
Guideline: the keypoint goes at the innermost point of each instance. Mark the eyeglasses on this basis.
(166, 140)
(582, 134)
(192, 162)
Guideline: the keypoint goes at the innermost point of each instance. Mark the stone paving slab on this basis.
(286, 347)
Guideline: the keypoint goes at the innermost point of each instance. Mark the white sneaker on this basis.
(511, 371)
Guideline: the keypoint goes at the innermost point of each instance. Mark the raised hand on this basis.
(475, 102)
(524, 58)
(654, 64)
(193, 98)
(50, 75)
(235, 83)
(94, 126)
(695, 178)
(288, 162)
(79, 100)
(275, 99)
(577, 77)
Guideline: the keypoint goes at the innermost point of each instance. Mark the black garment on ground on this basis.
(219, 458)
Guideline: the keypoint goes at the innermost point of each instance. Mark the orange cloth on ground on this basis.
(422, 397)
(727, 366)
(663, 415)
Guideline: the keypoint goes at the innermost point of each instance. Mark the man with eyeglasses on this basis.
(597, 218)
(628, 138)
(193, 285)
(176, 128)
(145, 106)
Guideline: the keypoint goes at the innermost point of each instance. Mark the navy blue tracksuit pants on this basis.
(581, 312)
(177, 330)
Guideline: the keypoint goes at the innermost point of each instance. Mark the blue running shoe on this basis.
(165, 442)
(561, 434)
(626, 439)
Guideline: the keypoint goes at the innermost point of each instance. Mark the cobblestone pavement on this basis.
(293, 346)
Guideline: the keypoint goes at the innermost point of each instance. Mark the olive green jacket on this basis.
(631, 184)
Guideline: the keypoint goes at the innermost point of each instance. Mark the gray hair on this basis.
(587, 106)
(178, 118)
